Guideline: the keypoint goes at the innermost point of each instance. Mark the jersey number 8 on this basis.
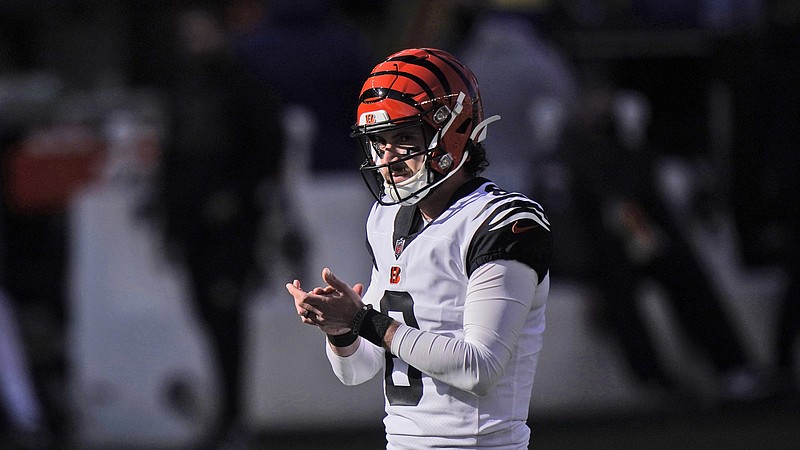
(403, 383)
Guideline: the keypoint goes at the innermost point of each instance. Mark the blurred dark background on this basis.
(161, 161)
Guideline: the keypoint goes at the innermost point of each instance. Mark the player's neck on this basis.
(437, 201)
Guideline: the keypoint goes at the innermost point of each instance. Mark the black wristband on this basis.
(374, 326)
(359, 318)
(342, 340)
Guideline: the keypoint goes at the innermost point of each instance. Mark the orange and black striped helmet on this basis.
(428, 87)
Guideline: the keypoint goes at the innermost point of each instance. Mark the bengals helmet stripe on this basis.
(442, 79)
(460, 72)
(376, 95)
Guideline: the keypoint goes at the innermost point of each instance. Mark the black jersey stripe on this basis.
(516, 207)
(511, 215)
(509, 195)
(512, 200)
(531, 206)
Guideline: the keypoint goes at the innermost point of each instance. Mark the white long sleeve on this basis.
(359, 367)
(499, 297)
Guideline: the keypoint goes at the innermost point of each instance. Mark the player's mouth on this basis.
(399, 173)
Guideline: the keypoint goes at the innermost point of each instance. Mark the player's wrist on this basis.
(373, 326)
(347, 338)
(368, 323)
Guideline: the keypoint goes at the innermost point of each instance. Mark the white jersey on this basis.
(470, 289)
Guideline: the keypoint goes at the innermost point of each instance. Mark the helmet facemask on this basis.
(437, 165)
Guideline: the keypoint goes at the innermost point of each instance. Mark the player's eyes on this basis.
(377, 141)
(378, 145)
(402, 145)
(404, 139)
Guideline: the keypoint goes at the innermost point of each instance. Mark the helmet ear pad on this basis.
(451, 146)
(442, 163)
(445, 162)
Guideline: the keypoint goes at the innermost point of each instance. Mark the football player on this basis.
(454, 311)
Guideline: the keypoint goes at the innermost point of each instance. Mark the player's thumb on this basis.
(334, 282)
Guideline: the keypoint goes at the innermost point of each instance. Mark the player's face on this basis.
(391, 147)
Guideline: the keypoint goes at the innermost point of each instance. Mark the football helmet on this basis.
(426, 88)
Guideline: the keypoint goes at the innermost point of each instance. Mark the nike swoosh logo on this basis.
(517, 229)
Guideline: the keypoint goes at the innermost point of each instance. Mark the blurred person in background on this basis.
(787, 338)
(530, 82)
(224, 148)
(782, 107)
(762, 74)
(527, 80)
(23, 420)
(33, 238)
(315, 59)
(454, 312)
(633, 238)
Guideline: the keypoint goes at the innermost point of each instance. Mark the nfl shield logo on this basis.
(398, 247)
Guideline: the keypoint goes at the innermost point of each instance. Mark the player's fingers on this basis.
(323, 291)
(334, 282)
(297, 296)
(294, 288)
(301, 298)
(308, 313)
(305, 306)
(309, 320)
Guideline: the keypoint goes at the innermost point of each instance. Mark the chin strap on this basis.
(414, 189)
(479, 132)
